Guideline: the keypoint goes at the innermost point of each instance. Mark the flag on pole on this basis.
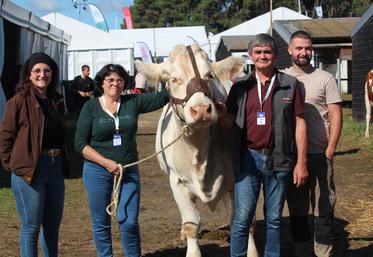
(144, 51)
(128, 17)
(98, 17)
(319, 11)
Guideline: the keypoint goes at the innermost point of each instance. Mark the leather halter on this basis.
(196, 84)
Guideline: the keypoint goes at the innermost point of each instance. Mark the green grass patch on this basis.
(6, 199)
(347, 97)
(353, 131)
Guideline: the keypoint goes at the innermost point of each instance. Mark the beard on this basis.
(302, 62)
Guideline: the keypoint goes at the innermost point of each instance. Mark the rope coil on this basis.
(111, 209)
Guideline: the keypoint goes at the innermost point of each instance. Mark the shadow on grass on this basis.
(351, 151)
(341, 242)
(206, 250)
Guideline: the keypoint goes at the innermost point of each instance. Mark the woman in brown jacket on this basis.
(31, 143)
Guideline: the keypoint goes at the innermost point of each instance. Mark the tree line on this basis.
(219, 15)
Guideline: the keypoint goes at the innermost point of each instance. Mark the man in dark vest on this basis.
(265, 111)
(82, 89)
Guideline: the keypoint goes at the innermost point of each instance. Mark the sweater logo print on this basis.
(111, 120)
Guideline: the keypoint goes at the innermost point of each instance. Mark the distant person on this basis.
(106, 137)
(82, 89)
(324, 123)
(32, 148)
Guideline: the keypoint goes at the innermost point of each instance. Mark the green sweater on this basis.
(96, 128)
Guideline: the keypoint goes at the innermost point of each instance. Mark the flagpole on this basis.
(270, 17)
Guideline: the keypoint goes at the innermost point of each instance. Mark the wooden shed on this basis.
(362, 61)
(331, 42)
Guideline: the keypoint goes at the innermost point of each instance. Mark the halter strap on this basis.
(193, 59)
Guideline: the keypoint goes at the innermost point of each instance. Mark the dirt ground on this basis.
(160, 219)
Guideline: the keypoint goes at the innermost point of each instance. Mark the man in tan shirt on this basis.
(324, 123)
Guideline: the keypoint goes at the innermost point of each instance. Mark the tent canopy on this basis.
(162, 40)
(259, 24)
(84, 36)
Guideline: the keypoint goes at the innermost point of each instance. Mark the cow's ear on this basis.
(229, 69)
(153, 72)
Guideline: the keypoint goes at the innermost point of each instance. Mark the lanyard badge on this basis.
(117, 139)
(261, 116)
(117, 136)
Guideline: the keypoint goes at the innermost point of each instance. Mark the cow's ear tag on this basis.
(117, 139)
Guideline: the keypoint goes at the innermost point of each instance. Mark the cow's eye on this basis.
(210, 75)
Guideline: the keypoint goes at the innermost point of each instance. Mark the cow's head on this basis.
(194, 90)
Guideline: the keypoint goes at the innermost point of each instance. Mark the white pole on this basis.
(299, 9)
(270, 17)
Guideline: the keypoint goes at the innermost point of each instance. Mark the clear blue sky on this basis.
(111, 9)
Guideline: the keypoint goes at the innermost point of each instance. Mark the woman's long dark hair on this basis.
(24, 84)
(106, 71)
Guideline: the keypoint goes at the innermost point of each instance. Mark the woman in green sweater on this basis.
(106, 136)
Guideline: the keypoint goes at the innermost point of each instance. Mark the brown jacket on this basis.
(21, 133)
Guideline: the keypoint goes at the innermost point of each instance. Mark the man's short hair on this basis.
(85, 67)
(300, 34)
(262, 40)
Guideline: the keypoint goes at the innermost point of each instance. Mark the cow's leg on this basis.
(189, 215)
(368, 107)
(251, 247)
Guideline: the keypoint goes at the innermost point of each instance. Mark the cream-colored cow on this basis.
(199, 165)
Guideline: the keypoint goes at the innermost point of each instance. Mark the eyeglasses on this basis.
(111, 81)
(39, 71)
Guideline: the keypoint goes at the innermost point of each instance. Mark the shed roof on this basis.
(234, 43)
(332, 29)
(366, 16)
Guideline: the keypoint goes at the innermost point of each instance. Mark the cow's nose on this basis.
(201, 112)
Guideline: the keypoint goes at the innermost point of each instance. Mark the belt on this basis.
(262, 151)
(51, 152)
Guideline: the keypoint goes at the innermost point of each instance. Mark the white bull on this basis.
(199, 165)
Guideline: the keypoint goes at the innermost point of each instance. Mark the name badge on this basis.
(260, 118)
(117, 139)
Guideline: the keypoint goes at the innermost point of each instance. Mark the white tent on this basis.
(259, 24)
(161, 41)
(92, 46)
(21, 34)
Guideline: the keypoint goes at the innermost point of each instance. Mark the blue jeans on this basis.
(98, 183)
(247, 188)
(40, 204)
